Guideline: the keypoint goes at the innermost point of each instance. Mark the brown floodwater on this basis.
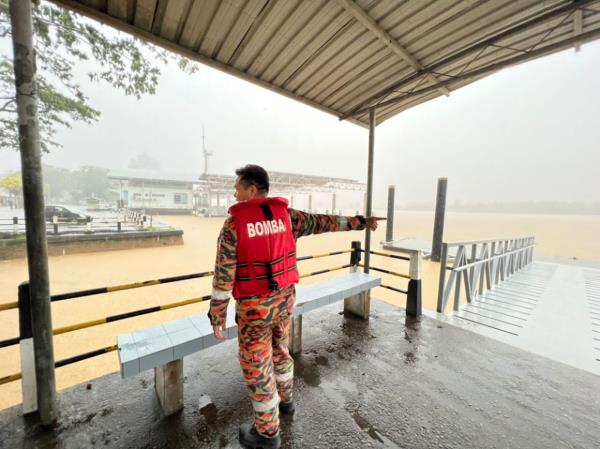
(556, 235)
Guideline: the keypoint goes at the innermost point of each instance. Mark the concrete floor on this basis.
(382, 383)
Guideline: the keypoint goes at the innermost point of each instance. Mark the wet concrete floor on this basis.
(385, 383)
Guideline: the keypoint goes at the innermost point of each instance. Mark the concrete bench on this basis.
(163, 347)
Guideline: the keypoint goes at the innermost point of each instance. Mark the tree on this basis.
(13, 184)
(59, 183)
(144, 161)
(63, 40)
(91, 182)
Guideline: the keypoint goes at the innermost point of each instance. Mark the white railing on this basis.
(489, 263)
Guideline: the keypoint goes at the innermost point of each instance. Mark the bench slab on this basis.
(156, 346)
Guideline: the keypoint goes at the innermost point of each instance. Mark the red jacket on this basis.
(266, 249)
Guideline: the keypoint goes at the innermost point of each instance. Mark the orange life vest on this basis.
(266, 249)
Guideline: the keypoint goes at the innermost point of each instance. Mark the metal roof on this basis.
(152, 175)
(344, 56)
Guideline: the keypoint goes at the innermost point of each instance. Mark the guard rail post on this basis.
(413, 301)
(15, 225)
(358, 305)
(442, 280)
(28, 380)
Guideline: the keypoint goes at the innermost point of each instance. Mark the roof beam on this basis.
(543, 51)
(120, 25)
(534, 21)
(577, 25)
(384, 37)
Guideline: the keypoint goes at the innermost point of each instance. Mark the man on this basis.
(256, 261)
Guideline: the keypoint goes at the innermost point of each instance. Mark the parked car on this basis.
(66, 214)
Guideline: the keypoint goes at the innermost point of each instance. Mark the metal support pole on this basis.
(310, 202)
(333, 203)
(442, 281)
(389, 230)
(33, 196)
(440, 214)
(369, 208)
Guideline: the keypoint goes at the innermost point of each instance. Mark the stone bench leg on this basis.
(295, 338)
(359, 305)
(168, 383)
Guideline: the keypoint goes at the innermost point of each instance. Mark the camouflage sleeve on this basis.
(304, 223)
(224, 276)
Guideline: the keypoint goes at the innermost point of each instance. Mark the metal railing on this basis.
(489, 263)
(24, 317)
(128, 221)
(413, 290)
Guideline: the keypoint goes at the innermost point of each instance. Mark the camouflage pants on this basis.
(268, 368)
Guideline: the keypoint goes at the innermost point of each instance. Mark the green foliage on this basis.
(63, 40)
(12, 184)
(75, 186)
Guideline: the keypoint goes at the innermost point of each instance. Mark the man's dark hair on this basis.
(254, 175)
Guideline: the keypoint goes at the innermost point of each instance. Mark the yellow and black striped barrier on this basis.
(126, 315)
(123, 316)
(64, 362)
(314, 273)
(85, 356)
(316, 256)
(393, 256)
(394, 273)
(113, 288)
(116, 288)
(10, 378)
(394, 289)
(9, 306)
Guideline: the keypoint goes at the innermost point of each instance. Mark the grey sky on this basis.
(530, 132)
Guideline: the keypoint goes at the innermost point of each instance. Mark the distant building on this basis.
(154, 192)
(214, 192)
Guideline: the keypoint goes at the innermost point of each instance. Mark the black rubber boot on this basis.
(287, 408)
(251, 439)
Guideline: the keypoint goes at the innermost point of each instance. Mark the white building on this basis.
(154, 192)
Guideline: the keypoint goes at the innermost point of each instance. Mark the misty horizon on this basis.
(526, 133)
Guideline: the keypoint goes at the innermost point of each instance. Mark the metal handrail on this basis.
(120, 287)
(490, 262)
(473, 242)
(74, 327)
(498, 256)
(101, 290)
